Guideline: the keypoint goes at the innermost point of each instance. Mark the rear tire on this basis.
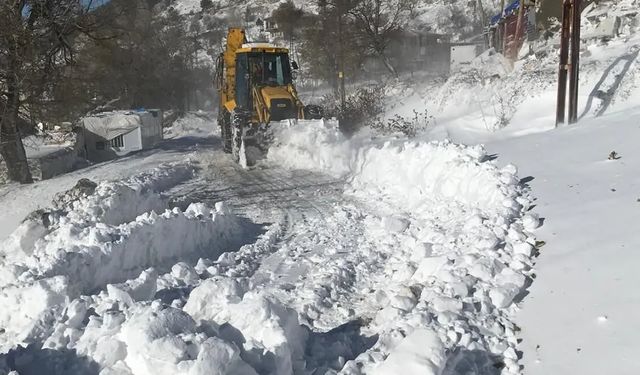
(238, 124)
(224, 120)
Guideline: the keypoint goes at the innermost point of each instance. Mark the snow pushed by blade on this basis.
(409, 174)
(455, 247)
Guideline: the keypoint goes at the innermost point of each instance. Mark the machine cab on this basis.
(265, 70)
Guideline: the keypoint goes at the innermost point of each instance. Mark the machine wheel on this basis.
(239, 124)
(224, 120)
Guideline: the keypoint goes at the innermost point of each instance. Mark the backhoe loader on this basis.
(255, 85)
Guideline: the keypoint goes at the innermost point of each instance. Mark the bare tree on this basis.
(34, 44)
(377, 21)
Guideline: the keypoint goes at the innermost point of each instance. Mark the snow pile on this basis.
(420, 353)
(222, 329)
(148, 338)
(427, 170)
(111, 203)
(141, 327)
(193, 124)
(271, 336)
(108, 236)
(313, 145)
(436, 171)
(609, 19)
(456, 247)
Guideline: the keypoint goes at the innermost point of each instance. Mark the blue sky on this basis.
(96, 3)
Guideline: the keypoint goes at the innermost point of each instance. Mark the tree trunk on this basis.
(11, 147)
(388, 65)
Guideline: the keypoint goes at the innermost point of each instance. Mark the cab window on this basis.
(269, 69)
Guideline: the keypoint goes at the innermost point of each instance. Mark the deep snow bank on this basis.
(408, 174)
(192, 124)
(106, 236)
(456, 247)
(272, 338)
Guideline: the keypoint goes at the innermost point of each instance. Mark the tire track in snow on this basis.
(278, 199)
(303, 202)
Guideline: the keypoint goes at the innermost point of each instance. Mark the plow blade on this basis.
(255, 139)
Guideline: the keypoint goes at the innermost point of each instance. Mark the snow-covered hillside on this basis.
(456, 17)
(238, 7)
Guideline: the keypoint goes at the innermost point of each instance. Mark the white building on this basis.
(112, 134)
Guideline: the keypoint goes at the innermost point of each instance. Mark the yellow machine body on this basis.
(255, 86)
(265, 99)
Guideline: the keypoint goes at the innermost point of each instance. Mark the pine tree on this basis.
(206, 4)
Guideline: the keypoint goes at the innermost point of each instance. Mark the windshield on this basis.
(270, 69)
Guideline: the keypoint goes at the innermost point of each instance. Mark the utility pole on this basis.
(574, 72)
(341, 61)
(504, 28)
(483, 20)
(569, 61)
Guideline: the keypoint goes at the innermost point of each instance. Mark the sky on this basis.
(96, 3)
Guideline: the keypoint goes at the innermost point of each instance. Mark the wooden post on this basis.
(565, 37)
(515, 48)
(341, 66)
(504, 28)
(574, 72)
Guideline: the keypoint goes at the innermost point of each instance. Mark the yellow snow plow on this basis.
(255, 85)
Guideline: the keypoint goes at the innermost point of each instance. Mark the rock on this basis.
(83, 188)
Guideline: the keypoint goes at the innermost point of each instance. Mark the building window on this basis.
(118, 141)
(99, 145)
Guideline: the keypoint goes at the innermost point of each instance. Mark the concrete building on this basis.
(412, 51)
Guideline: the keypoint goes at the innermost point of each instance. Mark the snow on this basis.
(586, 269)
(192, 124)
(107, 237)
(363, 255)
(463, 215)
(187, 6)
(270, 333)
(47, 144)
(420, 353)
(119, 277)
(430, 170)
(585, 202)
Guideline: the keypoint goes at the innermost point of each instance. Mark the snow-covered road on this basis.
(316, 261)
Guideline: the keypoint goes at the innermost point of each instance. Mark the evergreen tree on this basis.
(206, 4)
